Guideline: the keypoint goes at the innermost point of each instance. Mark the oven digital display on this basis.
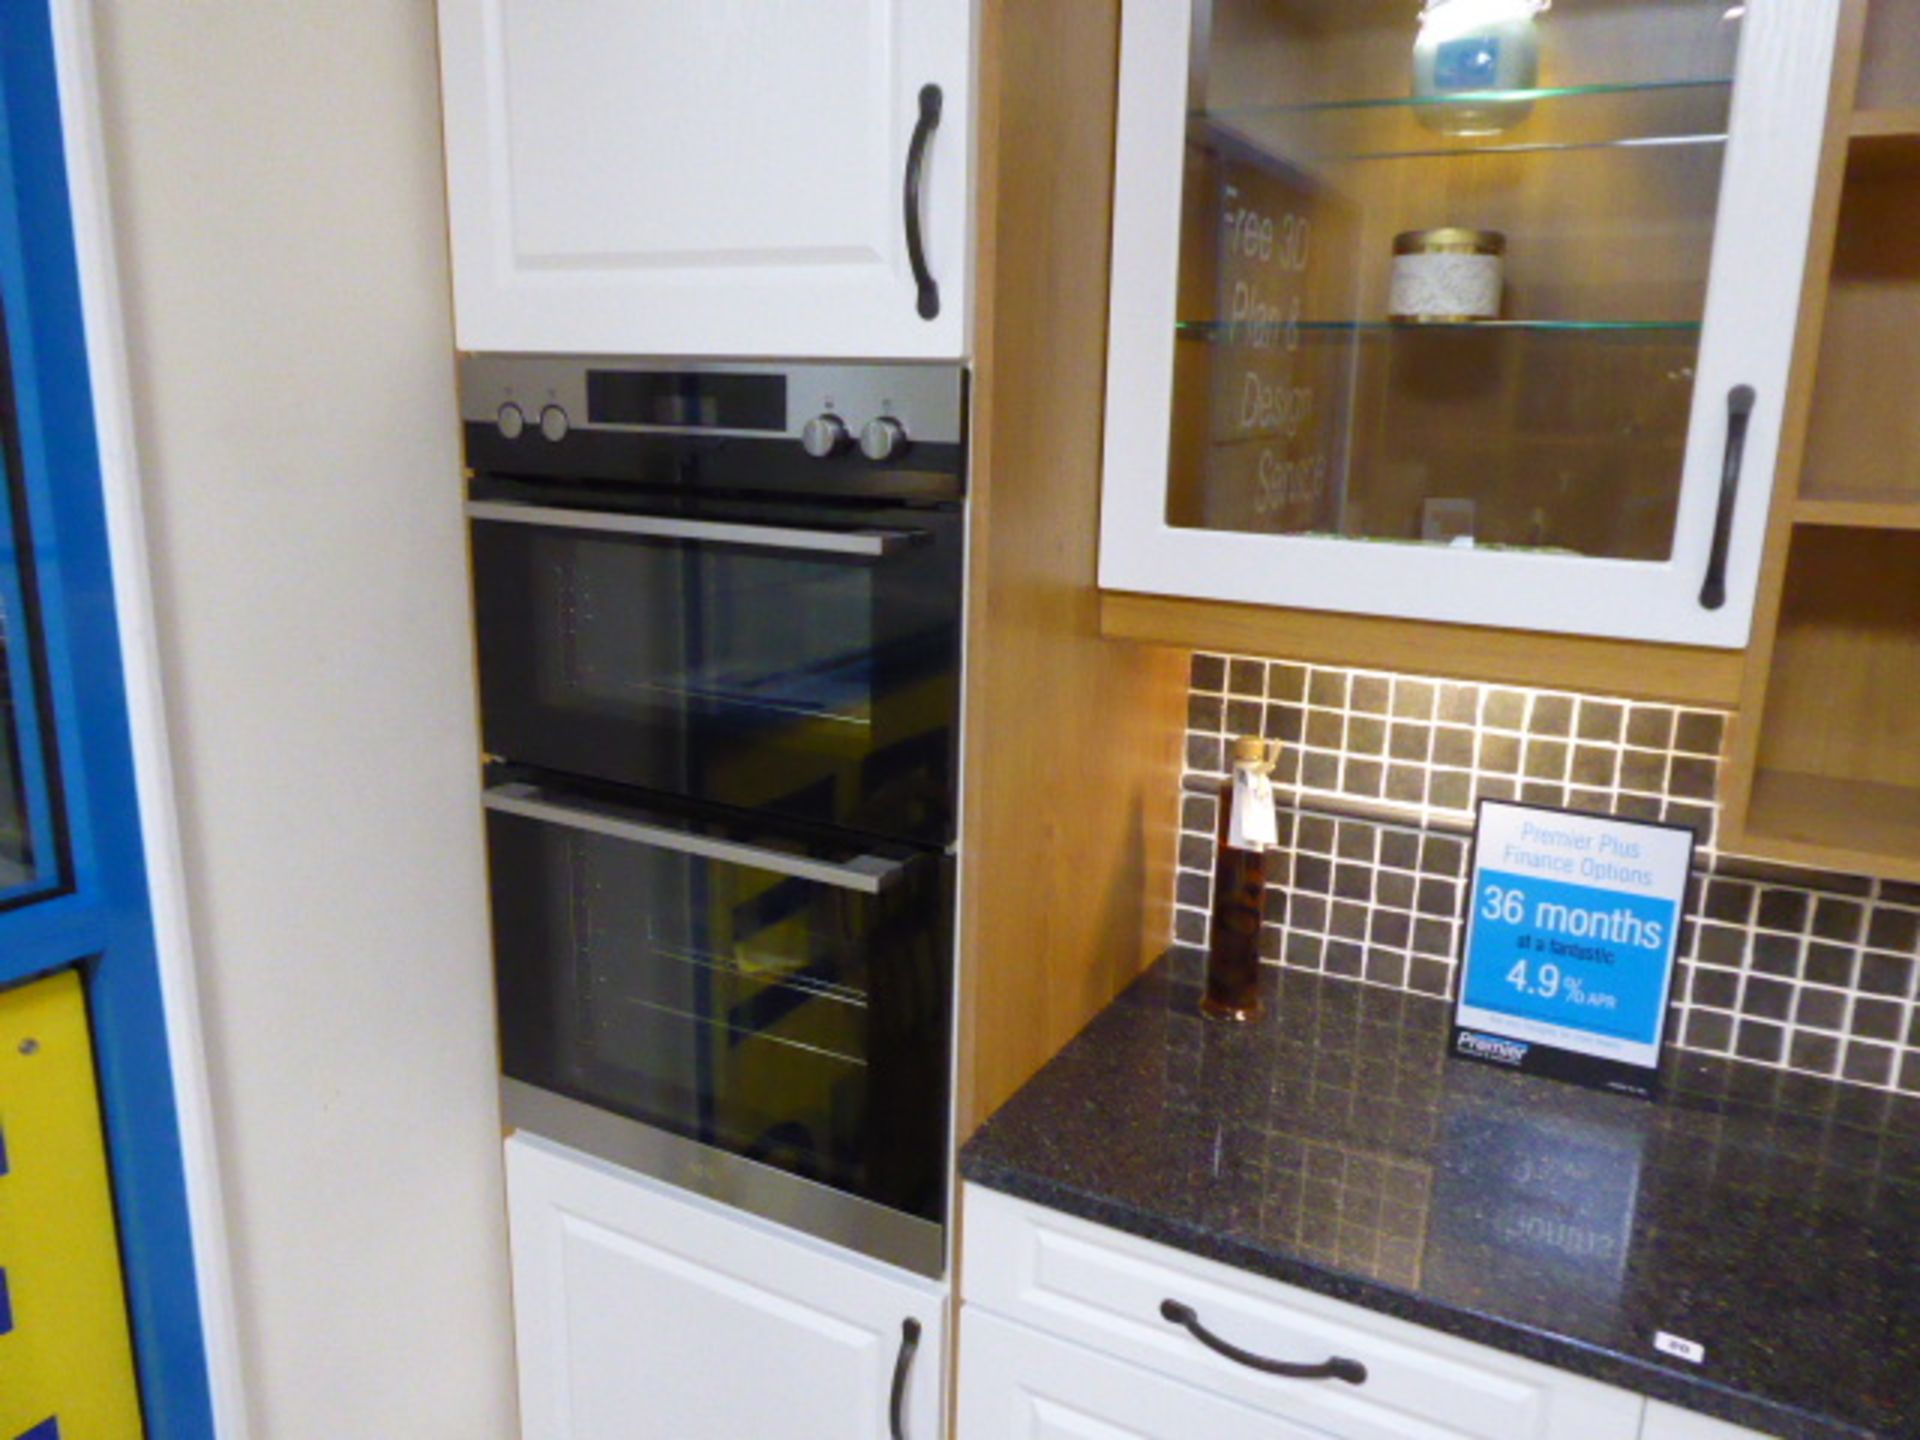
(687, 400)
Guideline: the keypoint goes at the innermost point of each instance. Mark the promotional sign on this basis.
(1572, 928)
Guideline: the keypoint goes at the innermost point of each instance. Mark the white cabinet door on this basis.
(1279, 431)
(643, 1314)
(1018, 1384)
(661, 177)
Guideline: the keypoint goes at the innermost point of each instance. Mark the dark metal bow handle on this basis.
(929, 121)
(902, 1367)
(1336, 1368)
(1713, 593)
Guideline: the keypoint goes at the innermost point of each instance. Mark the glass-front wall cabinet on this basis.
(1472, 310)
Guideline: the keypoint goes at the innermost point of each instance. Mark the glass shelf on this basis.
(1565, 118)
(1226, 332)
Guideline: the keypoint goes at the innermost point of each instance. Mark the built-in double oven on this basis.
(719, 614)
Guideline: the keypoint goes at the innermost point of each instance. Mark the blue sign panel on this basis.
(1571, 933)
(1571, 954)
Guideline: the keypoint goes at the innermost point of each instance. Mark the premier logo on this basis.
(1490, 1047)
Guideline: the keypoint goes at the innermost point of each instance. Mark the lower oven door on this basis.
(773, 1013)
(800, 661)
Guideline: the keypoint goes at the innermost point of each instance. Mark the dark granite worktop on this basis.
(1772, 1219)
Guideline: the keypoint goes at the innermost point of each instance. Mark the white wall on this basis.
(276, 182)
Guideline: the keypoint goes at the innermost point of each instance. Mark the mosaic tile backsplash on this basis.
(1801, 970)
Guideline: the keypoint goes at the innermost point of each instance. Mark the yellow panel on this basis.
(68, 1355)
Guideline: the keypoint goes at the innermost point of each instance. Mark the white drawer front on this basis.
(1097, 1286)
(1017, 1384)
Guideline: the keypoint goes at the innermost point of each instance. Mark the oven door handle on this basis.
(667, 527)
(867, 874)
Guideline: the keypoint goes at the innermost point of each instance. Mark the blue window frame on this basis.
(32, 826)
(76, 893)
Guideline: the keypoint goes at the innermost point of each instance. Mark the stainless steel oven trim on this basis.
(870, 543)
(867, 874)
(927, 397)
(873, 1230)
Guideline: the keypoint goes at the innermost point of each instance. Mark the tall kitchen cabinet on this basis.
(1306, 410)
(652, 177)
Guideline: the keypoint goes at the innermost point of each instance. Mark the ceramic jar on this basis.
(1446, 276)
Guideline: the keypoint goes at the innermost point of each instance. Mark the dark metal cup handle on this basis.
(1713, 593)
(902, 1368)
(929, 121)
(1336, 1368)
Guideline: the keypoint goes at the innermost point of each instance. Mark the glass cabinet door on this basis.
(1470, 310)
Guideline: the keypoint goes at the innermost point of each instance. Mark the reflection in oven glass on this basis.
(815, 686)
(789, 637)
(780, 1018)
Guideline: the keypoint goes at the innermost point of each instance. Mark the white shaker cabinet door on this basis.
(1020, 1384)
(669, 178)
(641, 1314)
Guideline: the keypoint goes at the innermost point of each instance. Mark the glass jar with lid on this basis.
(1447, 276)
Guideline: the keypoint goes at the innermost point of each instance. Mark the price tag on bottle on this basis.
(1252, 825)
(1572, 928)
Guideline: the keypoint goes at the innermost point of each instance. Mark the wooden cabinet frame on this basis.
(1824, 764)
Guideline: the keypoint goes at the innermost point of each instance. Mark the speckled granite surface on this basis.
(1770, 1218)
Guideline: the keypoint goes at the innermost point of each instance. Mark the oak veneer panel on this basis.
(1860, 509)
(1865, 428)
(1684, 675)
(1890, 63)
(1072, 741)
(1886, 141)
(1739, 773)
(1892, 154)
(1856, 826)
(1894, 122)
(1843, 695)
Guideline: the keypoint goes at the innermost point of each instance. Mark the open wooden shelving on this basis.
(1887, 78)
(1859, 510)
(1886, 142)
(1836, 778)
(1825, 769)
(1857, 826)
(1863, 433)
(1888, 122)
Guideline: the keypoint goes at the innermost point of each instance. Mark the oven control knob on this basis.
(824, 435)
(553, 423)
(882, 439)
(512, 420)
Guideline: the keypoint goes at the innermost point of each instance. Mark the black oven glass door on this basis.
(792, 661)
(784, 1002)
